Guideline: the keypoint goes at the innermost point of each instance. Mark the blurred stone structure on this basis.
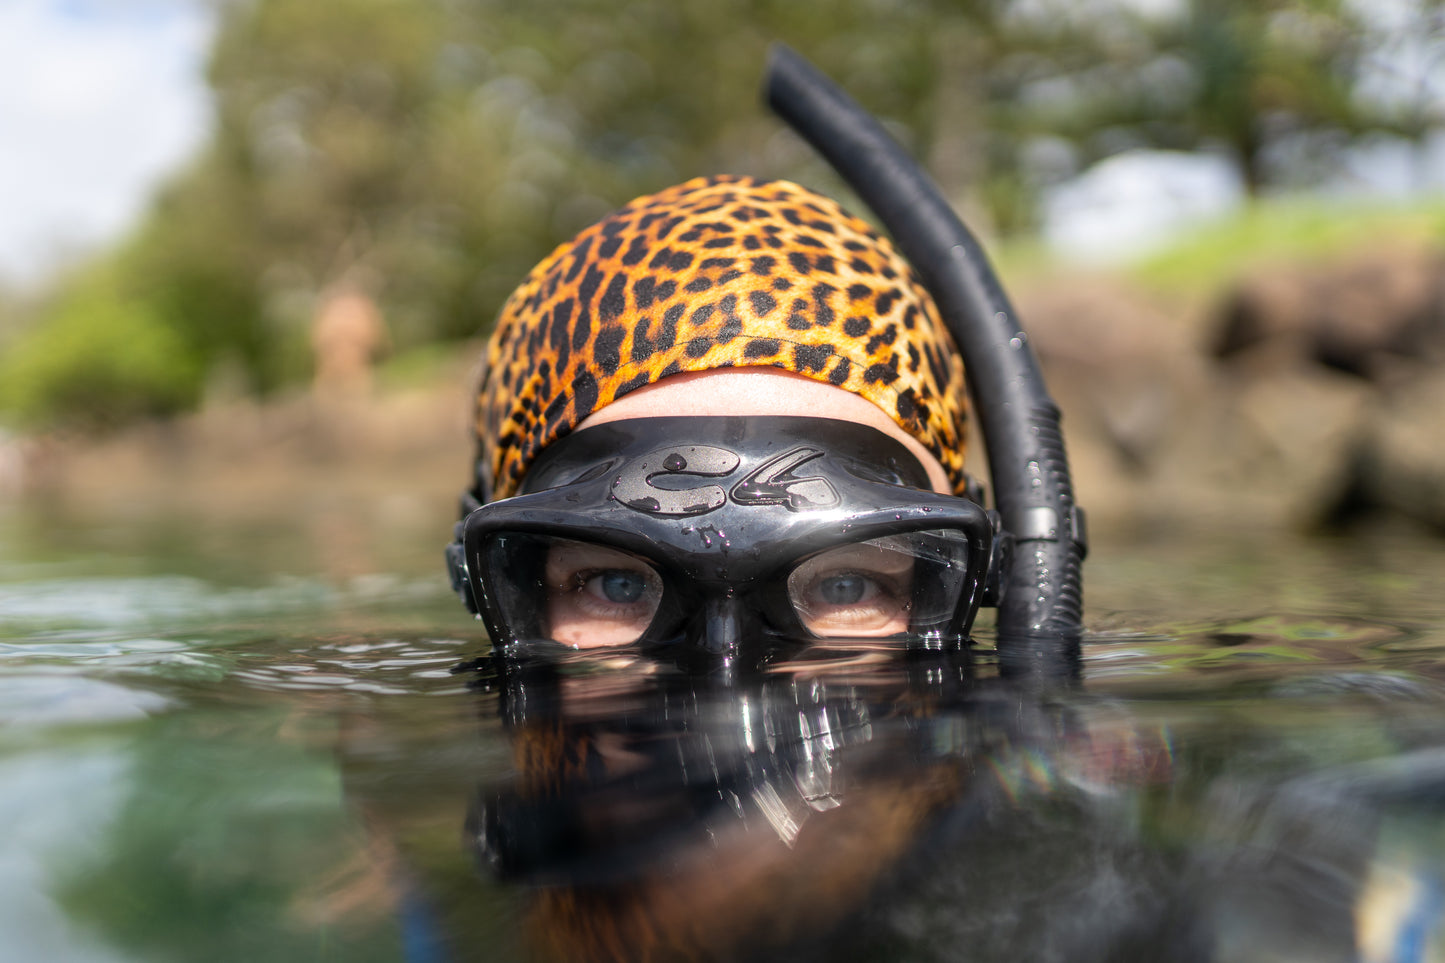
(1378, 314)
(1304, 395)
(1363, 339)
(347, 335)
(1309, 393)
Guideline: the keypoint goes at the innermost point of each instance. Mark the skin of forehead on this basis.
(762, 391)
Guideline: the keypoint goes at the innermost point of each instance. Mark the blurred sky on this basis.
(101, 99)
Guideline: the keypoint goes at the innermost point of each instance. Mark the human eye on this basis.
(598, 595)
(615, 587)
(859, 590)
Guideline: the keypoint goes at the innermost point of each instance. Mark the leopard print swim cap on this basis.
(718, 272)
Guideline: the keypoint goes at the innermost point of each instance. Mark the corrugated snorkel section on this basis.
(1041, 611)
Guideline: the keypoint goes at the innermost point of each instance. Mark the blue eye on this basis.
(843, 589)
(622, 588)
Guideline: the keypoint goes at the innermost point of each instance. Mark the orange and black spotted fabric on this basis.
(715, 273)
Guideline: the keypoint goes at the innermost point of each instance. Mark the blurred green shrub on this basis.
(103, 357)
(1285, 230)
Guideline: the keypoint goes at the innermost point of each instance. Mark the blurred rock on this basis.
(1175, 417)
(1337, 375)
(1363, 314)
(1294, 435)
(29, 465)
(1315, 391)
(1123, 366)
(1118, 363)
(1401, 461)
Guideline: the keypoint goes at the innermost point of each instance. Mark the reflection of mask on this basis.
(735, 529)
(660, 815)
(597, 736)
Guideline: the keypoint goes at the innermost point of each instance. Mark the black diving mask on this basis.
(720, 531)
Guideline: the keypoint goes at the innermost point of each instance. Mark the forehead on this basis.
(766, 392)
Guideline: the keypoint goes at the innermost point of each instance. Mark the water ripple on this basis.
(126, 603)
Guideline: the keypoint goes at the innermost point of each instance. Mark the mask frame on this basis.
(724, 511)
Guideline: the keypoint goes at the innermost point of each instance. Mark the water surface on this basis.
(243, 739)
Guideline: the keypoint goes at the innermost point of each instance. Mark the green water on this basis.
(242, 739)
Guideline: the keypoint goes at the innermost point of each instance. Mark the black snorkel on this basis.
(1041, 609)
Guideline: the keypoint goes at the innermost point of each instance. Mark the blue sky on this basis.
(99, 100)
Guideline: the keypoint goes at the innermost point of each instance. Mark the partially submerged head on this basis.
(725, 332)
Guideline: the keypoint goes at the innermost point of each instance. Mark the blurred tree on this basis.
(1274, 83)
(446, 146)
(103, 358)
(428, 152)
(433, 150)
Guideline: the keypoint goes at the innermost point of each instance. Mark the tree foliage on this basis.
(433, 150)
(1275, 84)
(103, 358)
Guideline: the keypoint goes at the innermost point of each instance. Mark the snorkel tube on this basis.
(1041, 608)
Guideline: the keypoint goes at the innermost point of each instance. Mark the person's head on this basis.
(724, 319)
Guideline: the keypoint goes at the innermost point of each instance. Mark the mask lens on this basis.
(899, 584)
(598, 595)
(573, 592)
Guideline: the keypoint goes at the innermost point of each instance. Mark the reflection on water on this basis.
(205, 759)
(863, 804)
(659, 816)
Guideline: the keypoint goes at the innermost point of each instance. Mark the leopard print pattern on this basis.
(715, 273)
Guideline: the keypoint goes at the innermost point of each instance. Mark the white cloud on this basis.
(98, 102)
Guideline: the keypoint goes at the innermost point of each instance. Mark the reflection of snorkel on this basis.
(1040, 613)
